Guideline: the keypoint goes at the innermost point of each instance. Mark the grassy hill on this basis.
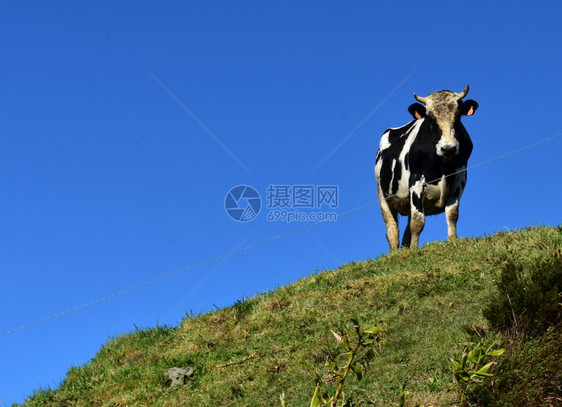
(431, 300)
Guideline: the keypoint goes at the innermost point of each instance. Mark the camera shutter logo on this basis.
(242, 203)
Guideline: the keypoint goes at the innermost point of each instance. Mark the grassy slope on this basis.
(247, 354)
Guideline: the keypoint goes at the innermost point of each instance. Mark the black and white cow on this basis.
(421, 167)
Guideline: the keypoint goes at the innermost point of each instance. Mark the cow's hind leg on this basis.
(407, 237)
(416, 223)
(390, 217)
(416, 220)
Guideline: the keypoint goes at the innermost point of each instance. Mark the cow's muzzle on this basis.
(449, 151)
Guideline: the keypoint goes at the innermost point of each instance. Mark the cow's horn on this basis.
(420, 98)
(463, 93)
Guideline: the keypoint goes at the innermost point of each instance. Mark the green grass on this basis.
(247, 354)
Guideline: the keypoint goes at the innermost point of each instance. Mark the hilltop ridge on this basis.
(431, 300)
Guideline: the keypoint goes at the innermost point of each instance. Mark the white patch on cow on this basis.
(403, 191)
(378, 166)
(417, 218)
(418, 187)
(384, 144)
(412, 134)
(392, 178)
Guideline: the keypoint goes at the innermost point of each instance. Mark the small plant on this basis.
(433, 384)
(360, 348)
(403, 396)
(473, 366)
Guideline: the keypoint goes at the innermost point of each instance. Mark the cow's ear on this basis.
(469, 107)
(417, 110)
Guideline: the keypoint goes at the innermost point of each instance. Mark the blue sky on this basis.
(125, 125)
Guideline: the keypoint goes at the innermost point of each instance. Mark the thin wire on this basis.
(204, 280)
(480, 164)
(361, 123)
(200, 123)
(321, 243)
(249, 247)
(170, 275)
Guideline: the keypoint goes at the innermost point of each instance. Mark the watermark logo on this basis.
(300, 203)
(285, 203)
(302, 196)
(242, 203)
(289, 216)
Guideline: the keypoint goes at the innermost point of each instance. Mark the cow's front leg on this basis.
(452, 216)
(416, 220)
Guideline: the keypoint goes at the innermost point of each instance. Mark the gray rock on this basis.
(179, 376)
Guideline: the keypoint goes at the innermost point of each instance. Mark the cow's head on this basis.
(443, 109)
